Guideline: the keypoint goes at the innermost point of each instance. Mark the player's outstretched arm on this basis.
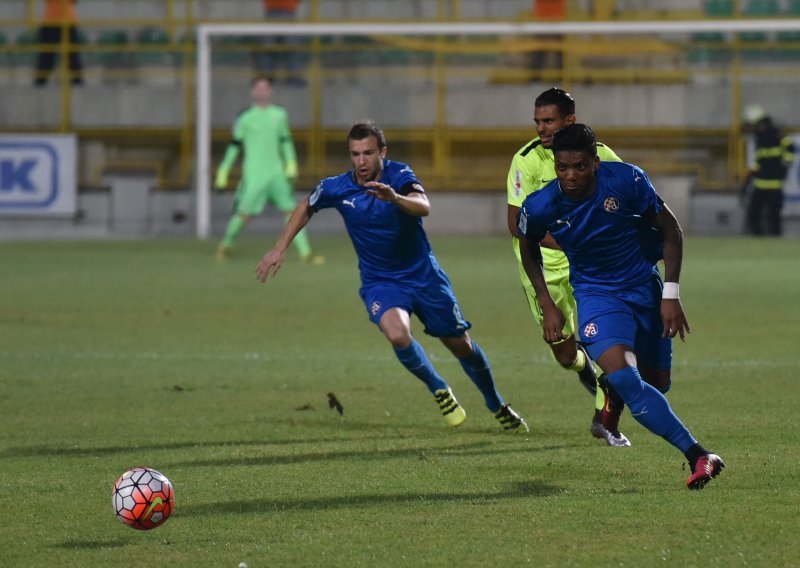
(415, 203)
(272, 261)
(553, 320)
(672, 314)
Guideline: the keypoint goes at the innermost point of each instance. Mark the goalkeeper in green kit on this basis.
(268, 171)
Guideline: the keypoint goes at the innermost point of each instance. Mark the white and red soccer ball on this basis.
(143, 498)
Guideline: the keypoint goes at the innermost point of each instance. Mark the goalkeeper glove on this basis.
(221, 181)
(291, 170)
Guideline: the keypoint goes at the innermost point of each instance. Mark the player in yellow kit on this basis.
(532, 167)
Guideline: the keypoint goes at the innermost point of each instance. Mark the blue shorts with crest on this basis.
(629, 317)
(434, 303)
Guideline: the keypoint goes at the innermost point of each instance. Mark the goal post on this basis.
(206, 33)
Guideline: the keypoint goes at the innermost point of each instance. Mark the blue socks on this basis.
(415, 360)
(650, 408)
(476, 365)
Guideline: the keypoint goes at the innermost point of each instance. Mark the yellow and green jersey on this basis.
(532, 168)
(263, 133)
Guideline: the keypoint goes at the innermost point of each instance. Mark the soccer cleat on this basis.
(314, 259)
(511, 421)
(612, 437)
(706, 468)
(588, 376)
(224, 252)
(453, 414)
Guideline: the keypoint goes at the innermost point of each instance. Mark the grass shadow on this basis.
(421, 452)
(520, 490)
(80, 452)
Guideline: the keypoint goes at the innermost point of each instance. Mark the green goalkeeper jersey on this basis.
(532, 168)
(263, 133)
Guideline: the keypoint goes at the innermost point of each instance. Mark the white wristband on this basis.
(671, 291)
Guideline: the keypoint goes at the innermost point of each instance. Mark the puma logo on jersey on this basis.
(351, 203)
(563, 222)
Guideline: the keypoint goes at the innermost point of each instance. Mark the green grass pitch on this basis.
(119, 354)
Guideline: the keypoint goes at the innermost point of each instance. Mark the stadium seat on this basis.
(189, 37)
(718, 8)
(26, 50)
(232, 50)
(758, 9)
(393, 57)
(790, 52)
(83, 37)
(351, 51)
(112, 52)
(155, 47)
(361, 50)
(761, 8)
(712, 50)
(329, 53)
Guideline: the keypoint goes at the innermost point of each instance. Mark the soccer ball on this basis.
(143, 498)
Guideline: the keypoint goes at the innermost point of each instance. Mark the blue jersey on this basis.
(607, 242)
(391, 245)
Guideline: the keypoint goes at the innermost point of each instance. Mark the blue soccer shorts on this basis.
(434, 303)
(631, 317)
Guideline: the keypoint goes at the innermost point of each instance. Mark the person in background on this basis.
(277, 11)
(59, 16)
(774, 153)
(269, 169)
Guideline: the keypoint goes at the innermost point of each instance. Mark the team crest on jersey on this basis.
(590, 330)
(611, 204)
(375, 308)
(517, 184)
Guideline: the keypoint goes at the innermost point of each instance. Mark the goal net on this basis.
(456, 99)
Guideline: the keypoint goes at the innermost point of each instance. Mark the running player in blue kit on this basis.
(382, 204)
(601, 214)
